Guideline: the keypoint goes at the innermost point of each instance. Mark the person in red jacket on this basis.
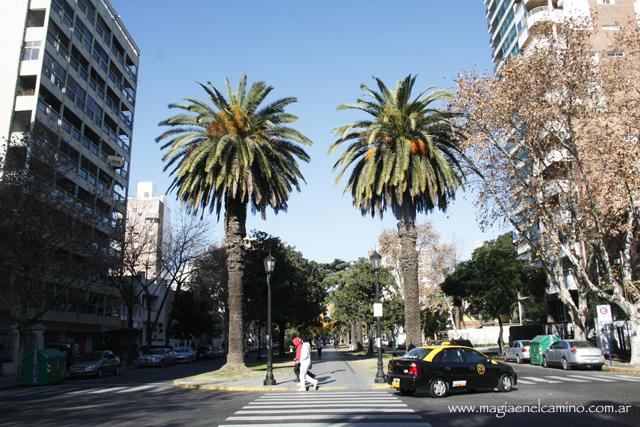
(296, 369)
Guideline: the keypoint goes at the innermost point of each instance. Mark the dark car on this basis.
(445, 368)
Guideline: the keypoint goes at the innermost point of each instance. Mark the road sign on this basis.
(377, 309)
(604, 313)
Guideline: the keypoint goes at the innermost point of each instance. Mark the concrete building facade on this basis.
(70, 71)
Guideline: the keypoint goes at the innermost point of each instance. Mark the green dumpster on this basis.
(538, 345)
(48, 369)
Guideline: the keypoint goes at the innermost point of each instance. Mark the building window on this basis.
(31, 51)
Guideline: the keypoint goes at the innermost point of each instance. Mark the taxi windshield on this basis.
(417, 353)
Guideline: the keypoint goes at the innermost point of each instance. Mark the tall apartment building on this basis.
(69, 70)
(510, 23)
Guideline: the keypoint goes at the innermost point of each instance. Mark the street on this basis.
(146, 397)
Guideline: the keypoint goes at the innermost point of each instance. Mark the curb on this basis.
(621, 370)
(262, 389)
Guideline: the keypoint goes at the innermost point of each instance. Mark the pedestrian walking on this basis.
(297, 342)
(319, 345)
(305, 363)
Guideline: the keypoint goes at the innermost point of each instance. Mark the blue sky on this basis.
(319, 52)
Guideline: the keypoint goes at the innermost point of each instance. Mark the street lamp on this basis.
(269, 265)
(376, 261)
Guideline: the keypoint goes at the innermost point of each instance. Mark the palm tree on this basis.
(404, 156)
(234, 153)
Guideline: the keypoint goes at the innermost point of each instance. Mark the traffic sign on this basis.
(377, 309)
(604, 313)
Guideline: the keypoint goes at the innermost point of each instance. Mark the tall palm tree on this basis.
(404, 156)
(235, 153)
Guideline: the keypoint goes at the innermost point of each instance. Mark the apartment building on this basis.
(149, 221)
(69, 71)
(151, 216)
(510, 23)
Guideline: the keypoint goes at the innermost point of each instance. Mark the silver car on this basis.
(157, 357)
(95, 363)
(573, 353)
(519, 351)
(184, 354)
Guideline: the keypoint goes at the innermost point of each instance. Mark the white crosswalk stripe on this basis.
(55, 391)
(574, 380)
(541, 380)
(321, 409)
(585, 378)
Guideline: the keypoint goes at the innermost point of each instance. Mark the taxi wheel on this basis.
(407, 392)
(565, 365)
(505, 383)
(518, 360)
(438, 388)
(544, 362)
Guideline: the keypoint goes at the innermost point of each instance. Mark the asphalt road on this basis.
(144, 397)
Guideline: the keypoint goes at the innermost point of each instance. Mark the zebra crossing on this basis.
(66, 390)
(354, 409)
(577, 378)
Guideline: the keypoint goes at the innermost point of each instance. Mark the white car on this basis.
(518, 352)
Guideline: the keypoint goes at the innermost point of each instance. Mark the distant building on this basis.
(149, 219)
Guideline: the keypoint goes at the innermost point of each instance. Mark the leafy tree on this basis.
(296, 285)
(237, 154)
(491, 281)
(405, 157)
(353, 293)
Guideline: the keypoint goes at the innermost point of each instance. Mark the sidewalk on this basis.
(332, 371)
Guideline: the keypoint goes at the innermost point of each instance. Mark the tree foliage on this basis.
(492, 281)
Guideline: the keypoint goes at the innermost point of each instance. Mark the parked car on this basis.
(156, 357)
(184, 355)
(95, 363)
(570, 354)
(445, 368)
(519, 351)
(217, 352)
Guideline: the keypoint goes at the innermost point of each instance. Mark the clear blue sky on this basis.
(319, 52)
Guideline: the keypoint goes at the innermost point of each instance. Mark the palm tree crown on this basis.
(405, 156)
(234, 150)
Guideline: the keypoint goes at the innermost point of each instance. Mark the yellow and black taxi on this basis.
(444, 368)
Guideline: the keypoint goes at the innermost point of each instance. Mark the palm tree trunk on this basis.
(234, 224)
(409, 266)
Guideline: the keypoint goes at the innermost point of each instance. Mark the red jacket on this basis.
(298, 344)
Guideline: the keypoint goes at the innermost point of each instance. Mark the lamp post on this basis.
(376, 261)
(269, 265)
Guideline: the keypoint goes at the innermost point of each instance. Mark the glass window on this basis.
(416, 353)
(31, 51)
(472, 356)
(94, 111)
(581, 344)
(452, 355)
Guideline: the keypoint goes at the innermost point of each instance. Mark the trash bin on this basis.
(538, 345)
(49, 367)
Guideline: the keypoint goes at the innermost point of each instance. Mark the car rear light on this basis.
(574, 351)
(525, 349)
(413, 369)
